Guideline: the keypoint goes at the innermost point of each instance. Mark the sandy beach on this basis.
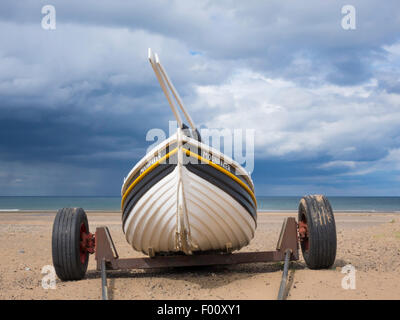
(368, 241)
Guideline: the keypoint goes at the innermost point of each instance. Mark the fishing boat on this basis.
(185, 197)
(188, 203)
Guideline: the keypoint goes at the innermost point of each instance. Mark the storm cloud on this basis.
(76, 102)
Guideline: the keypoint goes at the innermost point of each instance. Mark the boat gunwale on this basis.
(203, 160)
(194, 143)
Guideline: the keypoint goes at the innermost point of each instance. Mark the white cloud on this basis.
(302, 121)
(389, 163)
(338, 164)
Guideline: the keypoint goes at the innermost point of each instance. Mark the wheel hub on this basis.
(303, 234)
(87, 243)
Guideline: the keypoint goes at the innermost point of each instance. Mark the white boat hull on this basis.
(215, 218)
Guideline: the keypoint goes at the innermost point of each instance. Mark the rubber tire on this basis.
(66, 244)
(321, 226)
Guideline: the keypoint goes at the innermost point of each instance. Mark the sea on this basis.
(265, 203)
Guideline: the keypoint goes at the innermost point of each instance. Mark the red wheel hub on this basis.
(303, 234)
(87, 243)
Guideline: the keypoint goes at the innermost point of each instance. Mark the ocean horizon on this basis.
(265, 203)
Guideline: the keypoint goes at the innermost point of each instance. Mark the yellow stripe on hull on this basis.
(192, 154)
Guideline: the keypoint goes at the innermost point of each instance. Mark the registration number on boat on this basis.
(148, 164)
(216, 160)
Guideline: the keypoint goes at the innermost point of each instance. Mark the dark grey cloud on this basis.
(266, 35)
(79, 100)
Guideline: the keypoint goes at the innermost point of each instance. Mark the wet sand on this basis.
(368, 241)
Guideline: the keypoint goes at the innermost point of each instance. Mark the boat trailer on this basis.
(315, 234)
(107, 256)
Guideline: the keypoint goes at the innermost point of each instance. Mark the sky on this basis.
(77, 101)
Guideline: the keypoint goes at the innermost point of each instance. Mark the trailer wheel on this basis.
(70, 232)
(317, 231)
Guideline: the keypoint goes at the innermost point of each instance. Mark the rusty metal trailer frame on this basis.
(107, 257)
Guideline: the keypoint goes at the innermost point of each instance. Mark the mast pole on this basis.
(175, 93)
(164, 88)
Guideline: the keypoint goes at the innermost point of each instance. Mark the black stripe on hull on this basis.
(208, 155)
(160, 154)
(205, 171)
(194, 149)
(225, 183)
(154, 176)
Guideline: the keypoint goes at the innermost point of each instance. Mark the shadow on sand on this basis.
(206, 277)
